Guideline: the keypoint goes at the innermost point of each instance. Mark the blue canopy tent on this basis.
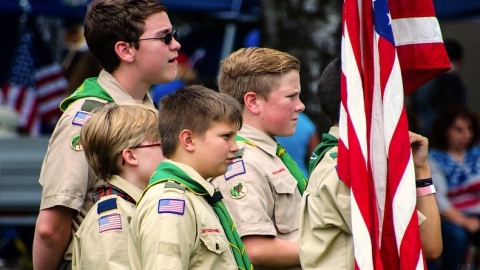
(446, 9)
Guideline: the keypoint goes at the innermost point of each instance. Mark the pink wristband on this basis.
(426, 190)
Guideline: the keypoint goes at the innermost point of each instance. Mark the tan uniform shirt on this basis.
(325, 224)
(66, 178)
(269, 201)
(176, 229)
(101, 240)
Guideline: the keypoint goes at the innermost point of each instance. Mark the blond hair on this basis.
(112, 129)
(254, 69)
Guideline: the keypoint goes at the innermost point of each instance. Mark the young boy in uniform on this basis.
(181, 221)
(134, 42)
(325, 227)
(122, 146)
(264, 185)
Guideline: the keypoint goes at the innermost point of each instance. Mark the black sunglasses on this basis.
(167, 38)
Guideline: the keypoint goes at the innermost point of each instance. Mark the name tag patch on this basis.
(173, 206)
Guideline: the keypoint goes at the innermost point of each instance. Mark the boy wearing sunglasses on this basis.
(135, 43)
(121, 144)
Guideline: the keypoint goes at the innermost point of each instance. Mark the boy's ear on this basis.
(129, 157)
(186, 140)
(124, 51)
(251, 100)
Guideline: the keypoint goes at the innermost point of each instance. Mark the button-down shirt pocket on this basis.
(285, 213)
(214, 243)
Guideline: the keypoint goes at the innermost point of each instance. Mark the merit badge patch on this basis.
(75, 142)
(173, 206)
(234, 169)
(238, 190)
(110, 223)
(80, 118)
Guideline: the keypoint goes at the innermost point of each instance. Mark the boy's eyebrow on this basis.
(163, 32)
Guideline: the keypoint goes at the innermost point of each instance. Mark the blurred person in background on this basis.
(455, 166)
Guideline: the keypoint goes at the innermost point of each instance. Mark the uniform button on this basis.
(217, 246)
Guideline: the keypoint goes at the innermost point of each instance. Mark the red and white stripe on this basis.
(374, 150)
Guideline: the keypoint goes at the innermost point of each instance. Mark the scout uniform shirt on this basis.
(325, 224)
(177, 229)
(66, 178)
(100, 242)
(260, 193)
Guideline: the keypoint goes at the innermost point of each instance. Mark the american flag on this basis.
(174, 206)
(34, 92)
(388, 50)
(109, 223)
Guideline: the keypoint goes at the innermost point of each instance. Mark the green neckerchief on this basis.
(328, 142)
(167, 171)
(89, 88)
(288, 161)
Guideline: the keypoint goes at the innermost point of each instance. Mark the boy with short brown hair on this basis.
(181, 221)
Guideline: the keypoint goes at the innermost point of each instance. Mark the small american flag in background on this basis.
(389, 48)
(109, 223)
(174, 206)
(34, 92)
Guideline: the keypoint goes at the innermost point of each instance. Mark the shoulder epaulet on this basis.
(171, 184)
(91, 105)
(107, 205)
(238, 154)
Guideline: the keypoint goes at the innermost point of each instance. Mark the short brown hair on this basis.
(195, 108)
(254, 69)
(114, 128)
(110, 21)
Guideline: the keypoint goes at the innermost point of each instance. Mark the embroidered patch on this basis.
(210, 230)
(173, 206)
(109, 223)
(238, 190)
(75, 142)
(234, 169)
(80, 118)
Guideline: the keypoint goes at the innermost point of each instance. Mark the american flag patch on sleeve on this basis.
(80, 118)
(234, 169)
(109, 223)
(173, 206)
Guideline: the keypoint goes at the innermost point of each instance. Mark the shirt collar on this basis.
(259, 138)
(126, 186)
(194, 175)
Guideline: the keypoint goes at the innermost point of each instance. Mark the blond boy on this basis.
(261, 191)
(121, 144)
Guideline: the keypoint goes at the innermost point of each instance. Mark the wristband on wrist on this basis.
(422, 191)
(424, 182)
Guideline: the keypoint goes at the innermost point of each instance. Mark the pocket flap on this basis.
(215, 243)
(284, 184)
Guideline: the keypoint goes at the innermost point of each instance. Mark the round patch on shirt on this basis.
(238, 190)
(75, 143)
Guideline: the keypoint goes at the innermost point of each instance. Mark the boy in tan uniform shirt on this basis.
(181, 222)
(263, 194)
(119, 33)
(325, 226)
(121, 144)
